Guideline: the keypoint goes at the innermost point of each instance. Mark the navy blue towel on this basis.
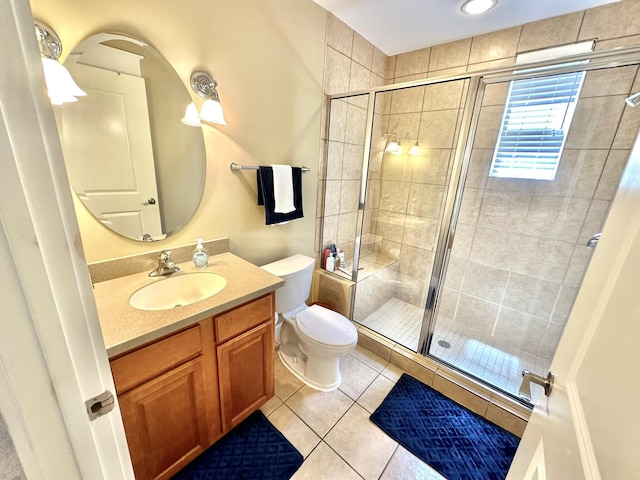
(266, 198)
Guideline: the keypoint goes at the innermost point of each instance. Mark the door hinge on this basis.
(98, 406)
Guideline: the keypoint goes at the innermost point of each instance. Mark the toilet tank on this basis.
(297, 272)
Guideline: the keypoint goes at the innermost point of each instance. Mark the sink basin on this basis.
(177, 290)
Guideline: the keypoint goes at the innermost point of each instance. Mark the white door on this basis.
(589, 427)
(106, 139)
(52, 356)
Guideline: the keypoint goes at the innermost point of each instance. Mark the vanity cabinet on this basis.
(245, 359)
(165, 421)
(181, 393)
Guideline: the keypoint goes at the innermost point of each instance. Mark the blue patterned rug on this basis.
(252, 450)
(451, 439)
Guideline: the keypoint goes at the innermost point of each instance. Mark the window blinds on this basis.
(534, 126)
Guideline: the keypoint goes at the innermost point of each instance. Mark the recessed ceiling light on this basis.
(476, 7)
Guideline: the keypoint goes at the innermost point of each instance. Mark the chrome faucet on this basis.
(165, 265)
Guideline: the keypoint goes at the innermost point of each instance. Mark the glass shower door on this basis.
(415, 134)
(519, 248)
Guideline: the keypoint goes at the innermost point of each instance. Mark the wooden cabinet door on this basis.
(165, 421)
(245, 371)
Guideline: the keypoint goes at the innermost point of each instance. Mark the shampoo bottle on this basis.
(330, 263)
(200, 255)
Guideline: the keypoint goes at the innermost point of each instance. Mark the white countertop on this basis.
(125, 327)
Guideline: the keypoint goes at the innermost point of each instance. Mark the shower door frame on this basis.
(473, 105)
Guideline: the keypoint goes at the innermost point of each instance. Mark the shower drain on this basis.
(444, 344)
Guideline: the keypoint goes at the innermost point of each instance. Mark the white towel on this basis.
(283, 189)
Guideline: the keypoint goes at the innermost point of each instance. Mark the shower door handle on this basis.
(452, 236)
(528, 378)
(431, 298)
(593, 241)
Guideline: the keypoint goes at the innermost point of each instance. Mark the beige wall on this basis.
(268, 58)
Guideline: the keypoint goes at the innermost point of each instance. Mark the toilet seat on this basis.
(325, 327)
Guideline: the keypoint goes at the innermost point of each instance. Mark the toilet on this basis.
(311, 339)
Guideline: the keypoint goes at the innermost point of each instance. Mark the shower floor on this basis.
(400, 322)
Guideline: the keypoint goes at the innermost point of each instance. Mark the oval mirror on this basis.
(130, 160)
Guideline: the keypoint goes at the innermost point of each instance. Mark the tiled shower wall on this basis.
(520, 249)
(413, 188)
(613, 25)
(351, 63)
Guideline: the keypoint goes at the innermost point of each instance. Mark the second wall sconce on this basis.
(211, 111)
(415, 149)
(394, 145)
(60, 86)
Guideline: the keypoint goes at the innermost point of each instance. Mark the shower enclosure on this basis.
(465, 204)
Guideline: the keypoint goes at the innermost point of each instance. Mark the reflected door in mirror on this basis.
(130, 160)
(116, 180)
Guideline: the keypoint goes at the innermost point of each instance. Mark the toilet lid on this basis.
(326, 326)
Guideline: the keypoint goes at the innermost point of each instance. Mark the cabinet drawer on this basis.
(143, 364)
(241, 319)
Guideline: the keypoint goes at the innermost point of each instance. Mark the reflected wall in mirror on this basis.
(130, 160)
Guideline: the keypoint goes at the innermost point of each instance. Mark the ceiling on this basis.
(397, 26)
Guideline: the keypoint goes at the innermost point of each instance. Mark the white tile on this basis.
(294, 430)
(361, 443)
(376, 393)
(273, 403)
(370, 358)
(356, 376)
(325, 464)
(406, 466)
(286, 383)
(319, 410)
(392, 372)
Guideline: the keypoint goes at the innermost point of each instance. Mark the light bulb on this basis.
(60, 85)
(476, 7)
(191, 116)
(211, 112)
(393, 148)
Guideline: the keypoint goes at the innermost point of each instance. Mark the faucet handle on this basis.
(165, 256)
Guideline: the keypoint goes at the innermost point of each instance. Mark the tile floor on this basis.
(332, 430)
(401, 322)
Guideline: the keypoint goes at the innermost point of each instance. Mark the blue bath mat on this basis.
(451, 439)
(252, 450)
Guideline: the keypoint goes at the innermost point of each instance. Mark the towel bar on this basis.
(234, 167)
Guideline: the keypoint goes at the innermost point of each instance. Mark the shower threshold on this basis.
(400, 322)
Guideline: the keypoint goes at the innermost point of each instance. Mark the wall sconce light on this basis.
(60, 86)
(415, 149)
(476, 7)
(392, 146)
(211, 111)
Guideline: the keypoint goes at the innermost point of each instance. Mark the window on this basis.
(535, 125)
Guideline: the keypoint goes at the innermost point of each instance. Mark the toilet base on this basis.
(298, 367)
